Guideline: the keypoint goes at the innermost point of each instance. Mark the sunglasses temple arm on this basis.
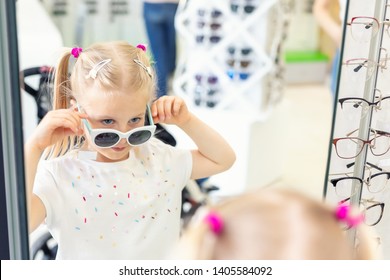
(87, 124)
(149, 114)
(84, 120)
(349, 165)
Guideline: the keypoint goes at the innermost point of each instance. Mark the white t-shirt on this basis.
(122, 210)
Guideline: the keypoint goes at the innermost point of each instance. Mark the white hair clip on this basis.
(93, 72)
(147, 69)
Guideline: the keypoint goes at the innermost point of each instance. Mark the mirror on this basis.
(288, 142)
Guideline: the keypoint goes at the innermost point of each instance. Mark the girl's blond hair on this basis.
(122, 73)
(274, 224)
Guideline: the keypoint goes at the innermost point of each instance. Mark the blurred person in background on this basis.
(276, 224)
(332, 26)
(159, 17)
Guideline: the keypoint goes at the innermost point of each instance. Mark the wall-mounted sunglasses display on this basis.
(228, 39)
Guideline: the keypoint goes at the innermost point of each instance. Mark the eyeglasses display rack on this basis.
(358, 171)
(230, 73)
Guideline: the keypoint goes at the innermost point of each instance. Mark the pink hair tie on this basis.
(76, 52)
(343, 213)
(215, 222)
(142, 47)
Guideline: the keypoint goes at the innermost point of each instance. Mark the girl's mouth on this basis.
(118, 149)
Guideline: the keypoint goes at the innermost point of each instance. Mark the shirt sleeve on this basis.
(178, 161)
(45, 187)
(183, 162)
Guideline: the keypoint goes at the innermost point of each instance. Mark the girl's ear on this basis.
(73, 103)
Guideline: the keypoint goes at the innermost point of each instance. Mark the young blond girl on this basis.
(104, 186)
(275, 224)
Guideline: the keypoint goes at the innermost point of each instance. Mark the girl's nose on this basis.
(123, 142)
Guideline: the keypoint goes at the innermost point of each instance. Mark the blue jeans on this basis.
(160, 27)
(335, 73)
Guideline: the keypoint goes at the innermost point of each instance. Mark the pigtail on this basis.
(62, 88)
(148, 75)
(62, 94)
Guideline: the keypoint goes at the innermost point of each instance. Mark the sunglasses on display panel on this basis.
(108, 138)
(247, 7)
(240, 63)
(244, 51)
(241, 75)
(212, 80)
(214, 13)
(213, 25)
(213, 39)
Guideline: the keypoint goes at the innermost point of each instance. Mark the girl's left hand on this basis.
(170, 110)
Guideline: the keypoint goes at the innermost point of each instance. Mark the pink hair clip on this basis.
(215, 222)
(344, 214)
(142, 47)
(76, 52)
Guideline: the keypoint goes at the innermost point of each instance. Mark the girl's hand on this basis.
(170, 110)
(56, 125)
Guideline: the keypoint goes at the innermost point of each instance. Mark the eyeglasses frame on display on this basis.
(375, 203)
(382, 63)
(379, 24)
(366, 181)
(377, 134)
(376, 104)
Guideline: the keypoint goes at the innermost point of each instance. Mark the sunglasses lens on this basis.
(244, 76)
(215, 39)
(249, 9)
(216, 13)
(231, 50)
(246, 51)
(139, 137)
(234, 7)
(244, 63)
(106, 139)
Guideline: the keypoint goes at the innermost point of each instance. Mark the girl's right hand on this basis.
(56, 125)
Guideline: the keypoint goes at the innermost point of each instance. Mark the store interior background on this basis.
(290, 146)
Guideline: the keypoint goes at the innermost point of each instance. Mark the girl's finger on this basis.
(168, 107)
(176, 106)
(160, 109)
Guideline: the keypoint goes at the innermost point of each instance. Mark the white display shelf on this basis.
(232, 46)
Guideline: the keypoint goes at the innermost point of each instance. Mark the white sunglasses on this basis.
(108, 138)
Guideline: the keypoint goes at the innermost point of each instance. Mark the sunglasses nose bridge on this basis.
(122, 140)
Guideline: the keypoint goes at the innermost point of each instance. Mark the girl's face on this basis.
(118, 110)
